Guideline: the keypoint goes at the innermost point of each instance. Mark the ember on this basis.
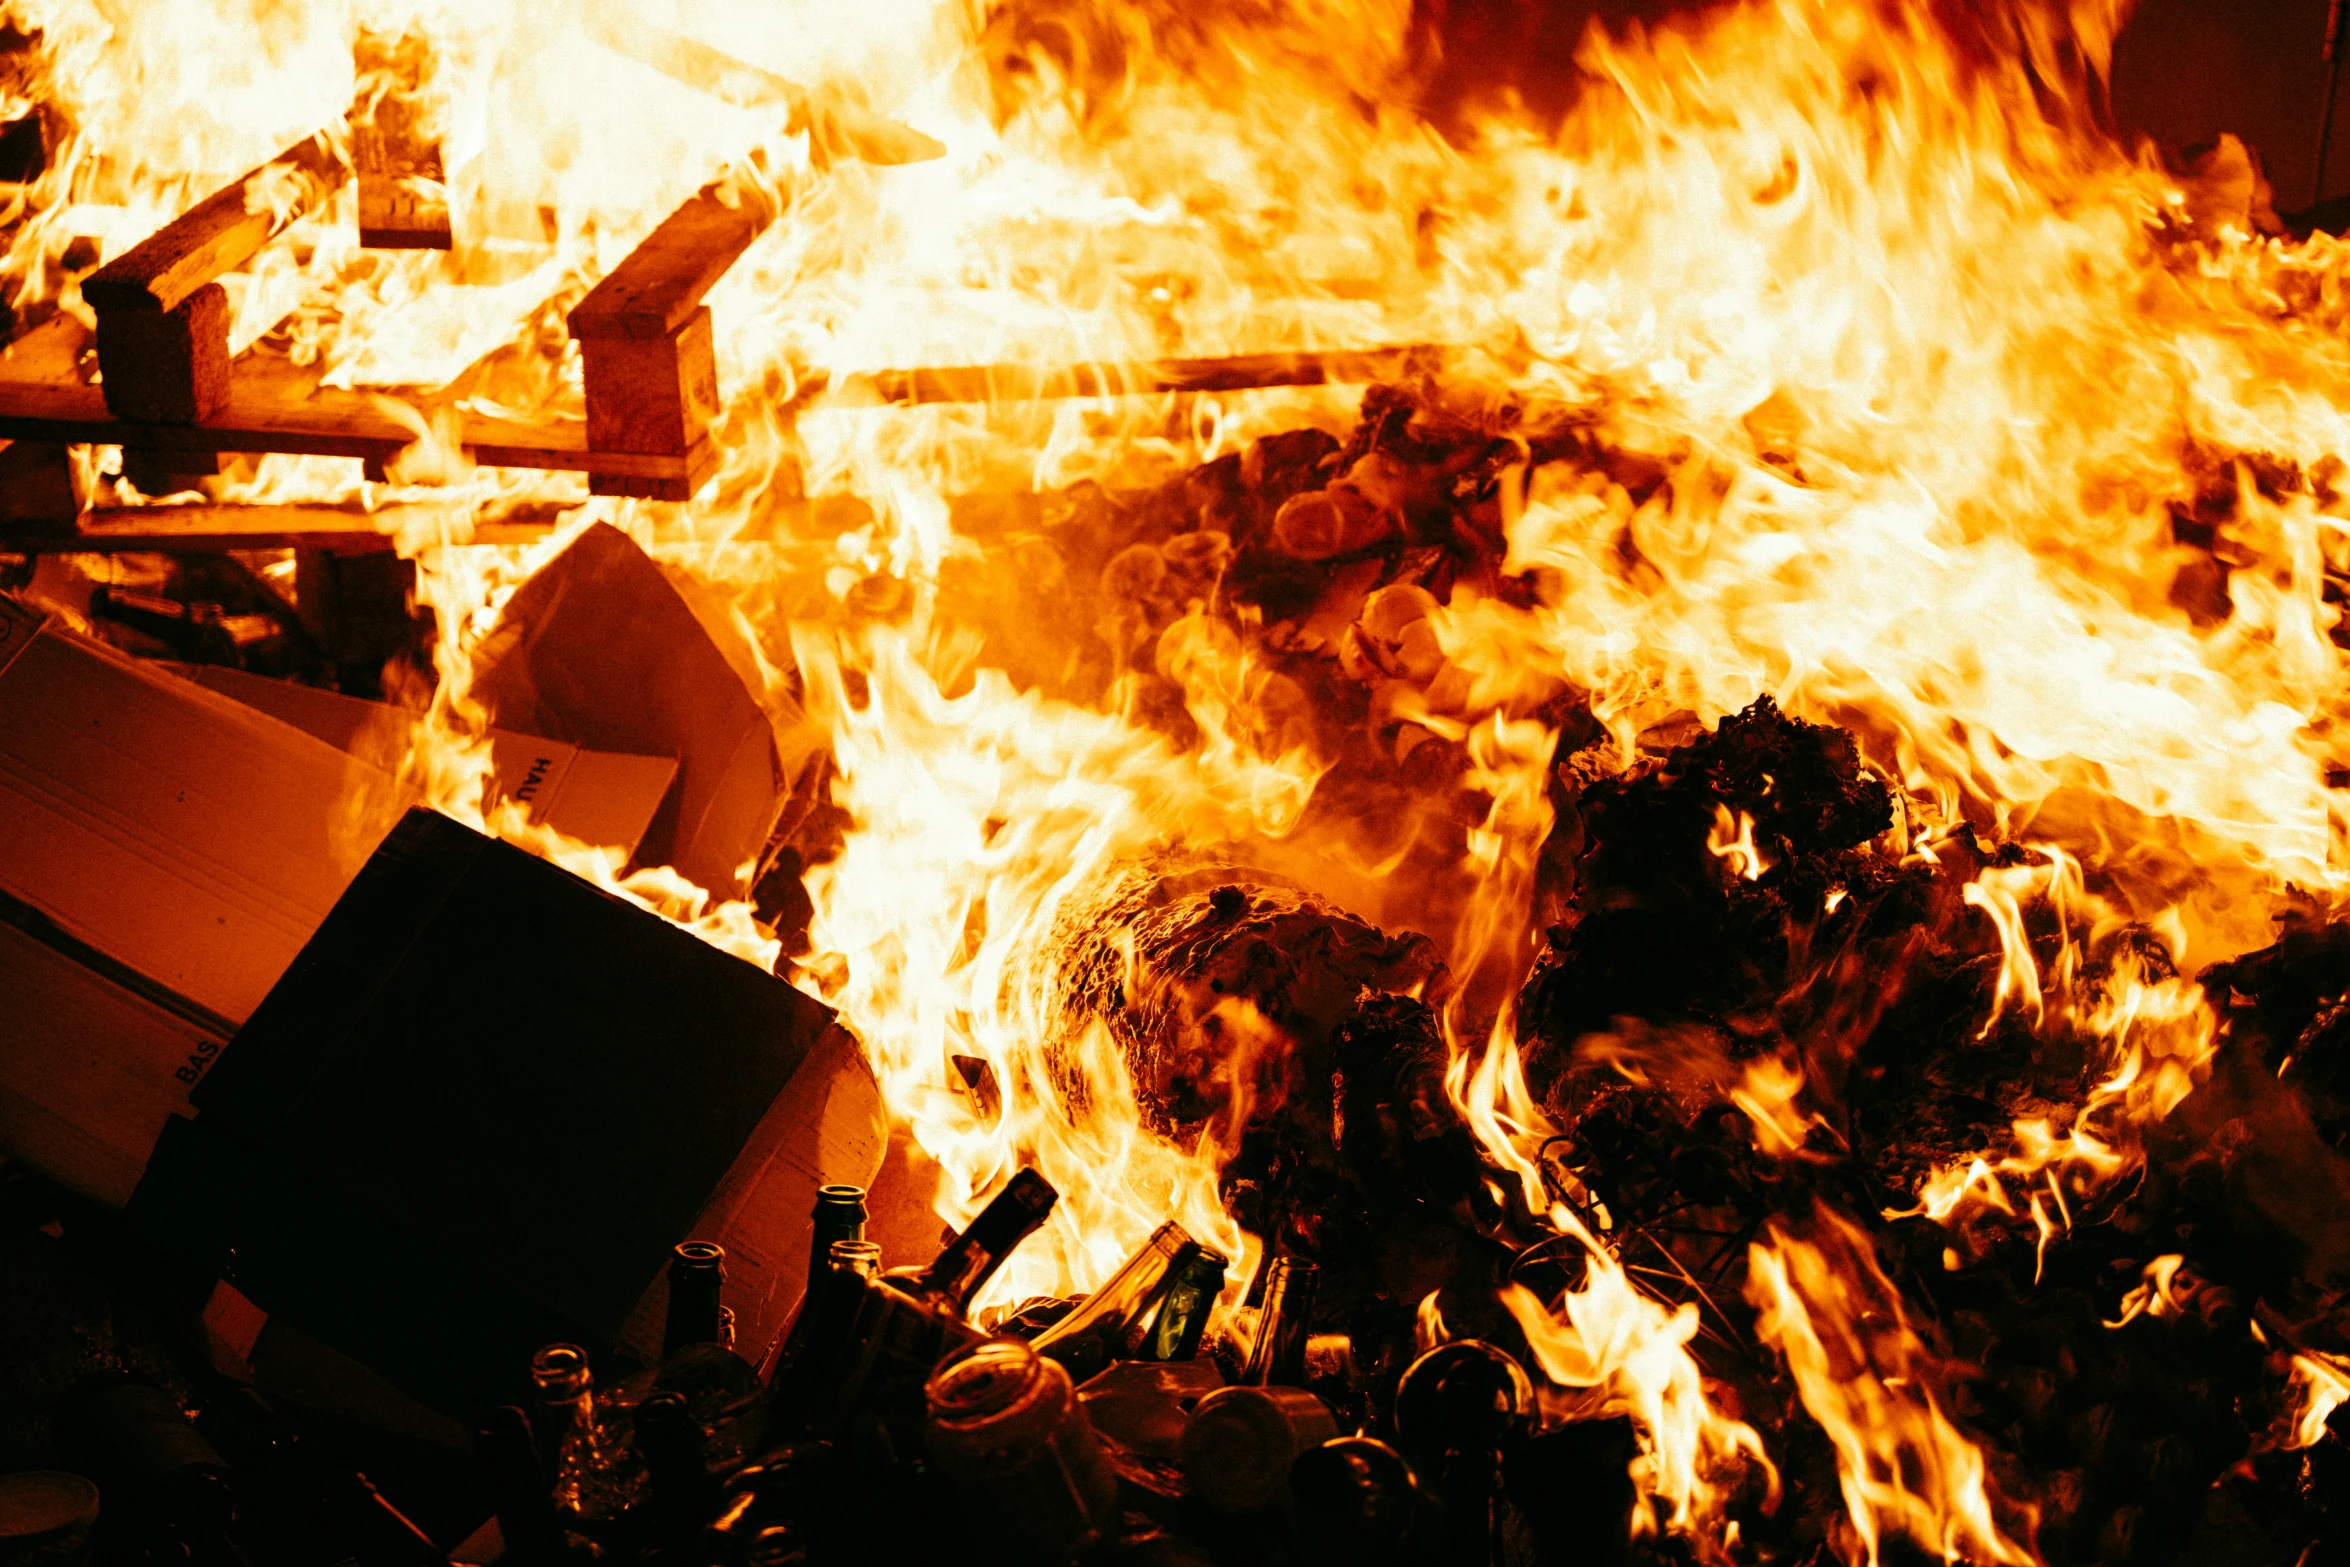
(1611, 832)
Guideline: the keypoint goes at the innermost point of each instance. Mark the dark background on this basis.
(2184, 70)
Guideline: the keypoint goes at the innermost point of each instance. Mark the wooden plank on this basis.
(1039, 383)
(658, 286)
(656, 396)
(274, 406)
(220, 233)
(36, 489)
(403, 204)
(217, 529)
(701, 466)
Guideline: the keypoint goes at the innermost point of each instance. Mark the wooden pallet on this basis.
(272, 405)
(170, 395)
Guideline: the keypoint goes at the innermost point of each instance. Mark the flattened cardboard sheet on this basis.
(601, 649)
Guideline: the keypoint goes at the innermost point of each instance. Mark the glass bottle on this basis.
(1005, 1424)
(526, 1514)
(685, 1495)
(1354, 1502)
(592, 1477)
(971, 1258)
(1111, 1323)
(1176, 1328)
(697, 1278)
(801, 1396)
(1279, 1353)
(839, 1216)
(1240, 1441)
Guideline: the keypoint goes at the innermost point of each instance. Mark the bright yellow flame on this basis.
(2321, 1385)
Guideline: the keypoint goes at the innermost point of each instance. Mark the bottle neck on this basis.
(972, 1258)
(1279, 1354)
(1117, 1311)
(813, 1359)
(697, 1280)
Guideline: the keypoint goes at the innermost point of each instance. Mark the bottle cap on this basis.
(1355, 1500)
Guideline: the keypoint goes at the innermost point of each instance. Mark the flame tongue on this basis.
(1828, 1308)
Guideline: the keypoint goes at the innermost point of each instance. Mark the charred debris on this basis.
(1329, 1422)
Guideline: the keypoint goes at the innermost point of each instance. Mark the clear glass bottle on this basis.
(1113, 1320)
(1005, 1423)
(595, 1476)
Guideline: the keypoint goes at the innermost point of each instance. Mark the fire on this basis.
(1897, 392)
(1611, 1336)
(2155, 1034)
(1867, 1379)
(1732, 839)
(1000, 809)
(2321, 1385)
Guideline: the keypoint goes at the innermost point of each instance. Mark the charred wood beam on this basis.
(111, 530)
(163, 320)
(37, 499)
(275, 406)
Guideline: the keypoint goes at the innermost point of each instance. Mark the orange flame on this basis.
(1861, 1371)
(2320, 1385)
(1905, 396)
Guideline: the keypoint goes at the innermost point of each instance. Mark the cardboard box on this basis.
(190, 838)
(166, 847)
(594, 796)
(164, 854)
(605, 650)
(478, 1111)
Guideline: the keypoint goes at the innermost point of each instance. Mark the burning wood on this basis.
(1704, 925)
(395, 148)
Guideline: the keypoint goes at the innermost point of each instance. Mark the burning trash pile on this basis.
(1854, 1185)
(1684, 904)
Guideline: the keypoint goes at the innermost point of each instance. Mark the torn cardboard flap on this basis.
(592, 796)
(601, 649)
